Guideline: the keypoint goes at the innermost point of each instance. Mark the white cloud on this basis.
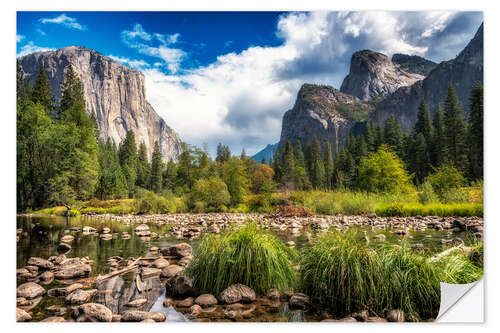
(134, 63)
(241, 97)
(143, 41)
(41, 32)
(31, 48)
(65, 20)
(19, 38)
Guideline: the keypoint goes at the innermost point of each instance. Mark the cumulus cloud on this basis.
(63, 19)
(31, 48)
(138, 64)
(241, 97)
(19, 38)
(155, 45)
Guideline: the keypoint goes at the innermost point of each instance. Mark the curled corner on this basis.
(454, 297)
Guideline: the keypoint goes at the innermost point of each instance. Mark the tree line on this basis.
(446, 139)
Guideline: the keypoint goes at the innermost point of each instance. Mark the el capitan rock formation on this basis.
(113, 92)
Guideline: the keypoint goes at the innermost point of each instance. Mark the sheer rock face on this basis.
(113, 92)
(413, 63)
(320, 111)
(372, 74)
(462, 72)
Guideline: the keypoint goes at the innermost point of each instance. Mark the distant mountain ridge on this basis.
(115, 93)
(267, 153)
(413, 64)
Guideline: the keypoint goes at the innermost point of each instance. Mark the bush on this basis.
(154, 204)
(426, 194)
(249, 255)
(445, 178)
(213, 192)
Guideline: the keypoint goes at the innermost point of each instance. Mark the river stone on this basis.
(213, 229)
(396, 316)
(116, 318)
(63, 248)
(137, 302)
(237, 293)
(195, 310)
(41, 263)
(93, 312)
(30, 290)
(142, 230)
(206, 300)
(178, 250)
(67, 238)
(171, 271)
(106, 236)
(160, 263)
(168, 302)
(185, 261)
(25, 274)
(28, 304)
(56, 310)
(298, 301)
(186, 303)
(47, 276)
(149, 320)
(180, 286)
(136, 316)
(361, 315)
(22, 316)
(58, 292)
(72, 268)
(149, 272)
(88, 229)
(106, 230)
(80, 296)
(54, 319)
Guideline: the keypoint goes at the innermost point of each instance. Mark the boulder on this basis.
(22, 315)
(361, 315)
(237, 293)
(142, 230)
(195, 310)
(72, 268)
(137, 316)
(30, 290)
(178, 250)
(80, 296)
(47, 276)
(206, 300)
(28, 304)
(180, 286)
(93, 312)
(160, 263)
(298, 301)
(63, 248)
(41, 263)
(171, 271)
(186, 303)
(147, 273)
(63, 292)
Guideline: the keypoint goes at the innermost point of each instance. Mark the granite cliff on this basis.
(113, 92)
(372, 75)
(462, 73)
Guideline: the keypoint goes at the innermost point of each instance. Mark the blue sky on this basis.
(229, 76)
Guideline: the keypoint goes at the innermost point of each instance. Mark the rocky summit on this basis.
(372, 74)
(462, 73)
(113, 92)
(413, 63)
(324, 112)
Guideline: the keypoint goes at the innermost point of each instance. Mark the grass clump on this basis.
(249, 255)
(433, 209)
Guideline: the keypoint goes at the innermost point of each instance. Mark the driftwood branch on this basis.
(127, 269)
(440, 255)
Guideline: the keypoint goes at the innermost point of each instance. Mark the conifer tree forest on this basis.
(61, 159)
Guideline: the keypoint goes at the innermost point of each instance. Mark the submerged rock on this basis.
(237, 293)
(298, 301)
(54, 319)
(63, 292)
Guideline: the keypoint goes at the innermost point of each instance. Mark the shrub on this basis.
(153, 204)
(444, 178)
(426, 194)
(213, 192)
(383, 171)
(249, 255)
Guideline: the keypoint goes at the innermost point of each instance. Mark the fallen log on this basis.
(440, 255)
(127, 269)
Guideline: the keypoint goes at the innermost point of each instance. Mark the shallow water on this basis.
(41, 236)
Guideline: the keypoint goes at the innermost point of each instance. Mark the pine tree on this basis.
(263, 160)
(424, 124)
(454, 131)
(393, 135)
(370, 137)
(299, 154)
(288, 166)
(42, 92)
(156, 168)
(438, 154)
(223, 153)
(317, 175)
(328, 162)
(476, 132)
(417, 155)
(169, 176)
(143, 167)
(128, 161)
(243, 155)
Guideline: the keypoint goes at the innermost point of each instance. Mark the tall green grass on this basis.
(433, 209)
(249, 255)
(344, 274)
